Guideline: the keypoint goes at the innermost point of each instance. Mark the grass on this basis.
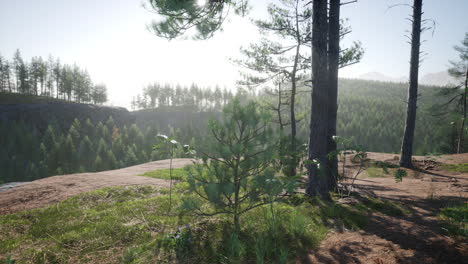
(92, 227)
(455, 220)
(134, 225)
(461, 167)
(373, 172)
(178, 174)
(380, 169)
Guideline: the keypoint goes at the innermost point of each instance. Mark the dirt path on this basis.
(413, 238)
(54, 189)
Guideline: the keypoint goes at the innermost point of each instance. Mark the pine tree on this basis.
(86, 154)
(70, 155)
(102, 153)
(318, 182)
(21, 73)
(98, 164)
(130, 157)
(74, 131)
(410, 124)
(235, 174)
(89, 129)
(111, 160)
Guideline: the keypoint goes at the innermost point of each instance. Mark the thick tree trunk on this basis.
(318, 181)
(333, 64)
(462, 127)
(407, 145)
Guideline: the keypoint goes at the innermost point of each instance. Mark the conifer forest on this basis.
(235, 131)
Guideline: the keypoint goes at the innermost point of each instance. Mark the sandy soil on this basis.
(416, 238)
(54, 189)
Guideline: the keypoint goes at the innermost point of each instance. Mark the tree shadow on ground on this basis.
(415, 236)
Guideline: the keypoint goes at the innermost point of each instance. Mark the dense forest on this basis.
(371, 115)
(49, 78)
(85, 147)
(202, 98)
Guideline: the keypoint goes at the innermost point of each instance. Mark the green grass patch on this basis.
(341, 215)
(134, 225)
(92, 227)
(373, 172)
(461, 167)
(380, 169)
(178, 174)
(455, 220)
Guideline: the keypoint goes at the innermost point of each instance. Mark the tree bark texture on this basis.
(462, 127)
(333, 64)
(318, 182)
(407, 145)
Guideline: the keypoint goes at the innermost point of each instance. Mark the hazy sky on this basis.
(109, 38)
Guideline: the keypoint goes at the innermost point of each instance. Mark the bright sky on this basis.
(109, 38)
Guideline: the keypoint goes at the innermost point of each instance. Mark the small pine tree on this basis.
(70, 155)
(112, 161)
(98, 164)
(236, 176)
(74, 132)
(86, 154)
(130, 157)
(89, 129)
(110, 123)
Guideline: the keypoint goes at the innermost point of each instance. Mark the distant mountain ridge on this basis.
(436, 78)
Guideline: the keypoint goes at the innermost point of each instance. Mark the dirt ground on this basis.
(416, 238)
(54, 189)
(413, 238)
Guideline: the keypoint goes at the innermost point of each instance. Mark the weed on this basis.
(399, 174)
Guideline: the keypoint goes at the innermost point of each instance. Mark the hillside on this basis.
(38, 112)
(83, 137)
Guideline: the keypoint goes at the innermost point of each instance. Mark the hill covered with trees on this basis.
(371, 114)
(49, 78)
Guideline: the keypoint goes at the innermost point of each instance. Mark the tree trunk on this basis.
(462, 127)
(407, 145)
(318, 182)
(333, 64)
(294, 155)
(280, 119)
(57, 87)
(9, 82)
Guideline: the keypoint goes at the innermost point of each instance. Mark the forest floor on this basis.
(416, 236)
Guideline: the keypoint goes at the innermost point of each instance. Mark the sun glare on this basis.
(201, 2)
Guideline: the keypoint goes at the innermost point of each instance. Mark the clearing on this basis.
(414, 234)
